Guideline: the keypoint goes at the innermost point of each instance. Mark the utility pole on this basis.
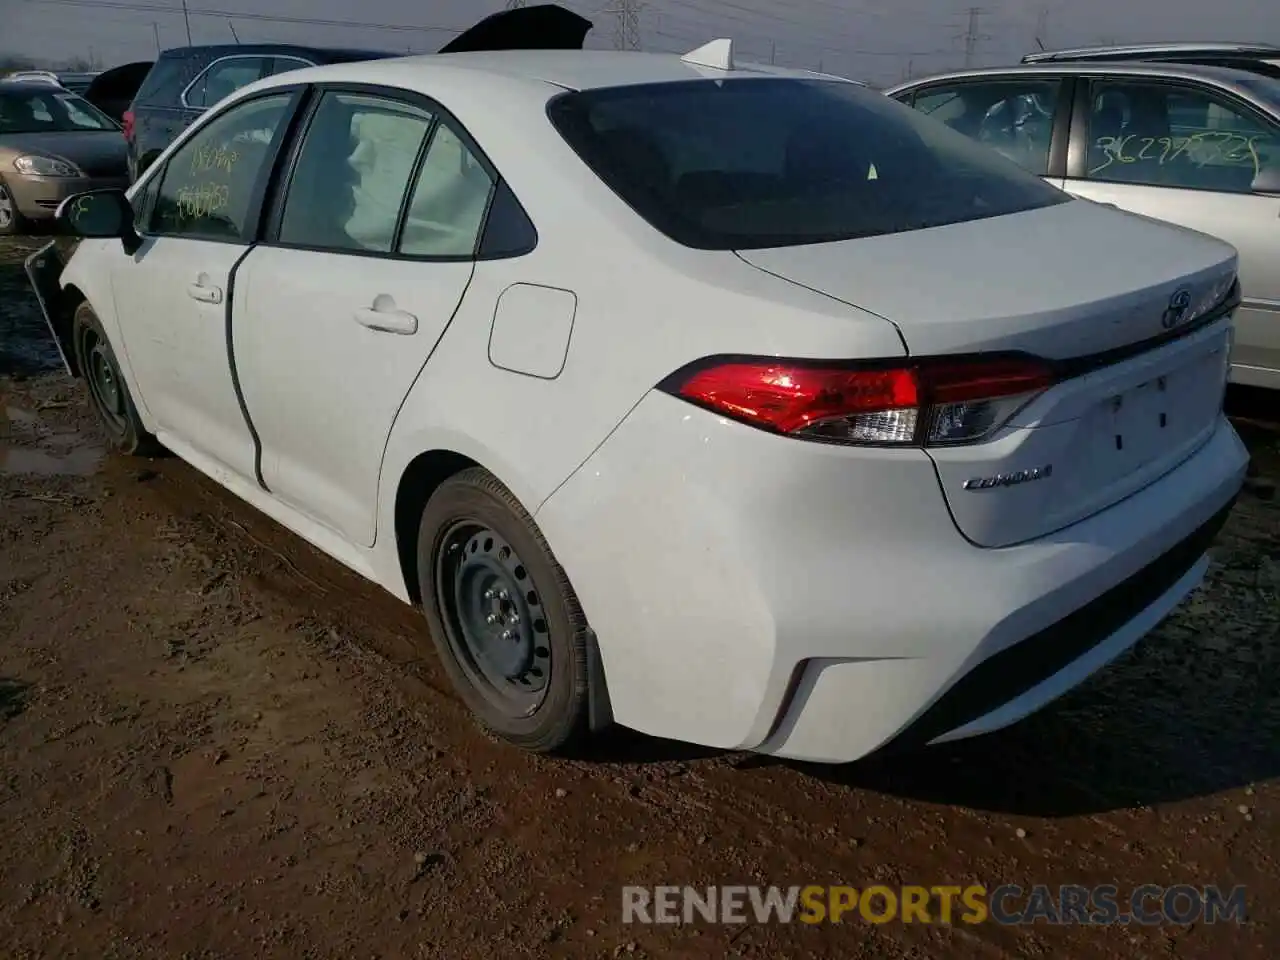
(155, 29)
(971, 36)
(910, 70)
(773, 51)
(626, 34)
(187, 18)
(232, 27)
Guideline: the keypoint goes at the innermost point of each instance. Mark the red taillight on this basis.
(128, 125)
(923, 401)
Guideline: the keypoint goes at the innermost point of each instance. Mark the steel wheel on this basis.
(8, 211)
(108, 391)
(493, 618)
(105, 385)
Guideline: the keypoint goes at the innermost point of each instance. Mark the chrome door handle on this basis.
(198, 291)
(385, 317)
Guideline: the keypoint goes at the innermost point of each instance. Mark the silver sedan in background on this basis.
(1195, 145)
(53, 144)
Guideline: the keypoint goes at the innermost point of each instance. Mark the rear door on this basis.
(370, 251)
(1188, 153)
(1023, 116)
(157, 107)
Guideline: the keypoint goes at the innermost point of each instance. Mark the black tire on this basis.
(12, 223)
(538, 699)
(108, 392)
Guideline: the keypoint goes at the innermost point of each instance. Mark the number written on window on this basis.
(208, 184)
(1170, 136)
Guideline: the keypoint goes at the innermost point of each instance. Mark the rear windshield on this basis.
(768, 162)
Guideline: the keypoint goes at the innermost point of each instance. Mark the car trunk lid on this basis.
(1108, 297)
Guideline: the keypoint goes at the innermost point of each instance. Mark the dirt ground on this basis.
(216, 743)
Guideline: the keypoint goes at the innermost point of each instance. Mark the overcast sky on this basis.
(877, 40)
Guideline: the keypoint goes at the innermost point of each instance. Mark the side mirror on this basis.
(1267, 180)
(99, 215)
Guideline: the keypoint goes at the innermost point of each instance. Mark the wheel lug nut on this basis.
(514, 618)
(490, 594)
(504, 596)
(491, 619)
(509, 635)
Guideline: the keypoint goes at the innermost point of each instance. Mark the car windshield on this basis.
(766, 162)
(33, 110)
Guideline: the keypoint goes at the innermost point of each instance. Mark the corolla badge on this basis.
(1176, 312)
(1009, 479)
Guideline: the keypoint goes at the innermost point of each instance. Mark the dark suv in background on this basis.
(186, 81)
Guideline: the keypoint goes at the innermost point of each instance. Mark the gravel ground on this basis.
(215, 742)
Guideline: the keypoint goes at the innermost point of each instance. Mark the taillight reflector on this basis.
(922, 401)
(128, 124)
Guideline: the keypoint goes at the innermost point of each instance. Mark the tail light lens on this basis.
(128, 125)
(922, 402)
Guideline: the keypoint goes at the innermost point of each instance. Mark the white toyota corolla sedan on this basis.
(735, 405)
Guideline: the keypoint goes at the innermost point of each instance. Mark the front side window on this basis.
(1173, 135)
(750, 163)
(224, 78)
(208, 183)
(1013, 117)
(353, 173)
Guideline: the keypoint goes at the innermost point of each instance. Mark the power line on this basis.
(262, 17)
(837, 41)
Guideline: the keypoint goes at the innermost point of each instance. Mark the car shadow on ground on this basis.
(12, 697)
(26, 346)
(1193, 710)
(1130, 738)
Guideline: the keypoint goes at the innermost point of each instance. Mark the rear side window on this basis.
(224, 78)
(750, 163)
(353, 173)
(1013, 117)
(165, 81)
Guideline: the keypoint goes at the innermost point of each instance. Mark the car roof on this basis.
(1238, 80)
(269, 49)
(1139, 50)
(25, 84)
(568, 69)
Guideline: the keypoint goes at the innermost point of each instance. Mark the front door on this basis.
(175, 294)
(345, 304)
(1189, 155)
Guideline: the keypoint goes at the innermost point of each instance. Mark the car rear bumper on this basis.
(38, 197)
(816, 602)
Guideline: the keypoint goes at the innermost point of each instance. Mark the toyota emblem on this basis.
(1176, 312)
